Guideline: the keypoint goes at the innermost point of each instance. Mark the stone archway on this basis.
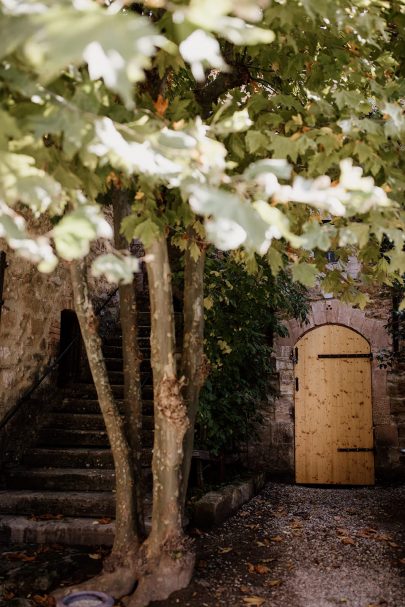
(281, 435)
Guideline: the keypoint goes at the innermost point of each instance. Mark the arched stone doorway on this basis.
(281, 455)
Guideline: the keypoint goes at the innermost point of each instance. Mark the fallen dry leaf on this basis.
(161, 104)
(46, 517)
(273, 583)
(393, 545)
(20, 556)
(383, 537)
(296, 524)
(347, 540)
(342, 531)
(262, 569)
(265, 542)
(258, 568)
(95, 556)
(225, 550)
(254, 600)
(104, 521)
(45, 600)
(276, 538)
(368, 532)
(244, 589)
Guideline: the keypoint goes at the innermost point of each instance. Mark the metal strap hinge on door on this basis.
(355, 449)
(294, 356)
(369, 356)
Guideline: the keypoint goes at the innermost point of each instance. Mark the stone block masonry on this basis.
(29, 325)
(30, 319)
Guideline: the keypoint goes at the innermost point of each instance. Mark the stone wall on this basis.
(29, 325)
(31, 317)
(275, 448)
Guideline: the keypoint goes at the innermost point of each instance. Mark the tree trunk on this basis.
(132, 358)
(194, 367)
(167, 557)
(118, 578)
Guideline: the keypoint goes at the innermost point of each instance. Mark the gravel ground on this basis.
(304, 547)
(290, 546)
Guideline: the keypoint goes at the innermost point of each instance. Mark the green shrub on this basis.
(243, 312)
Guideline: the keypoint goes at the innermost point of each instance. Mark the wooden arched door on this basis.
(333, 408)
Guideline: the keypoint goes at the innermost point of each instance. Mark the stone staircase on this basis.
(63, 489)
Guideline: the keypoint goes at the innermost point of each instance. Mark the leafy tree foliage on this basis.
(243, 312)
(310, 83)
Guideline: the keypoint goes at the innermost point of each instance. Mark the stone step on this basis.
(117, 377)
(116, 339)
(143, 317)
(73, 531)
(68, 530)
(143, 320)
(88, 391)
(84, 421)
(61, 479)
(112, 351)
(91, 406)
(113, 364)
(116, 351)
(80, 406)
(116, 364)
(67, 503)
(72, 437)
(81, 421)
(41, 457)
(60, 437)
